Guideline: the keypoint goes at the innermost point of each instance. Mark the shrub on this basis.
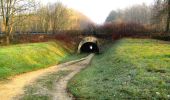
(119, 30)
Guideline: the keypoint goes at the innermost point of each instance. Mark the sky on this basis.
(98, 10)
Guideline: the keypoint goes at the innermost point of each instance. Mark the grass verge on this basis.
(128, 69)
(17, 59)
(74, 56)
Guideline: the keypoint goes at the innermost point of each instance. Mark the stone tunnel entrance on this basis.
(89, 45)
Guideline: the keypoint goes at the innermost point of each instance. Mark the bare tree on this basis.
(53, 17)
(60, 17)
(44, 15)
(50, 18)
(168, 16)
(161, 14)
(137, 14)
(9, 9)
(112, 16)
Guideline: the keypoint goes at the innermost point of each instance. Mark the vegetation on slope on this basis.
(17, 59)
(129, 69)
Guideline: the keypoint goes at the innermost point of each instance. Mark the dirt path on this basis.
(16, 85)
(60, 92)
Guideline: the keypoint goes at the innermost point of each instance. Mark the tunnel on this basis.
(89, 45)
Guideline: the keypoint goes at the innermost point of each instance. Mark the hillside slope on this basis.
(17, 59)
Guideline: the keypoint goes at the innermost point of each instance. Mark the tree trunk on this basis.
(7, 39)
(168, 18)
(8, 32)
(54, 28)
(167, 25)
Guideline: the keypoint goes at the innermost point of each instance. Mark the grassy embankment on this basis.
(129, 69)
(17, 59)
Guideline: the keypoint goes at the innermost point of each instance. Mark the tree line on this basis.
(156, 16)
(136, 14)
(29, 16)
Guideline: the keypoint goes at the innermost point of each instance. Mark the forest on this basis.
(30, 17)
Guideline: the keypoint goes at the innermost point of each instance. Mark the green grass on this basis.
(43, 88)
(128, 69)
(17, 59)
(74, 56)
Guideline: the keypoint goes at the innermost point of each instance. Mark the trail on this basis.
(60, 92)
(15, 86)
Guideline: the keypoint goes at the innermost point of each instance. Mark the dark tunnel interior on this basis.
(89, 47)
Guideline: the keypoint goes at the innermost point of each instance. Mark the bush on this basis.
(119, 30)
(162, 37)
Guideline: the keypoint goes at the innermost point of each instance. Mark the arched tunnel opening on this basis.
(89, 47)
(89, 44)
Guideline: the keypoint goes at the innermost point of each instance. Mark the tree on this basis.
(168, 16)
(137, 14)
(9, 9)
(50, 18)
(161, 14)
(60, 17)
(44, 16)
(53, 17)
(156, 19)
(112, 16)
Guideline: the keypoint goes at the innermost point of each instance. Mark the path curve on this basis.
(60, 92)
(14, 87)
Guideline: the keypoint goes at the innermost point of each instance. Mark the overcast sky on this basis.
(98, 10)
